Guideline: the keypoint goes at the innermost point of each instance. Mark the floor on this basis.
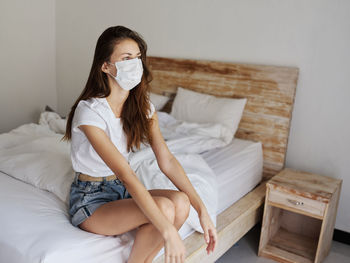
(246, 250)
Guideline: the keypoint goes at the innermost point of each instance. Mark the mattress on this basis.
(238, 167)
(40, 230)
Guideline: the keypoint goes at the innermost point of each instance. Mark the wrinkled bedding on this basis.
(34, 154)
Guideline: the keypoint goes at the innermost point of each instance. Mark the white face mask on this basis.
(129, 73)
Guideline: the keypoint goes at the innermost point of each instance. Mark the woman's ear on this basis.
(104, 67)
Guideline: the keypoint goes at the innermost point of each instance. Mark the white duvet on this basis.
(34, 154)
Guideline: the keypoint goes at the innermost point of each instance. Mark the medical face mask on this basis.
(129, 73)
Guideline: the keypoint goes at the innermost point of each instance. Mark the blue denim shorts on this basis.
(86, 197)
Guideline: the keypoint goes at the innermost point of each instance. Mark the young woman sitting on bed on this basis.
(111, 117)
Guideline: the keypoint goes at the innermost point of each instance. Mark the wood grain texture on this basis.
(328, 226)
(270, 92)
(308, 206)
(297, 203)
(304, 184)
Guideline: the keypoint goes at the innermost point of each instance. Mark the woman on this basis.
(111, 117)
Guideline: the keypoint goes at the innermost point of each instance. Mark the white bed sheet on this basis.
(40, 230)
(238, 167)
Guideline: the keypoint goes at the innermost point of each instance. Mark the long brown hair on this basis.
(136, 108)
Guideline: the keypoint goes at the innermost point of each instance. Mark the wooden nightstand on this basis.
(299, 216)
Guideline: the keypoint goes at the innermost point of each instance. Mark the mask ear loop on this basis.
(110, 73)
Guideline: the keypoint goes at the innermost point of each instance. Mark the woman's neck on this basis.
(117, 97)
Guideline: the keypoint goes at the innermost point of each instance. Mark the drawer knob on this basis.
(294, 202)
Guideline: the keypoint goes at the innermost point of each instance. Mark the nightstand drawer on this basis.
(300, 203)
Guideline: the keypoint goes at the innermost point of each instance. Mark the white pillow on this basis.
(54, 121)
(43, 162)
(197, 107)
(158, 100)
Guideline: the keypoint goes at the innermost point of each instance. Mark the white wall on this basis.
(312, 35)
(27, 61)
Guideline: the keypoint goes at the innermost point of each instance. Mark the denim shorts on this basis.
(86, 197)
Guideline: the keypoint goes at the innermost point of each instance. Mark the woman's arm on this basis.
(117, 163)
(170, 166)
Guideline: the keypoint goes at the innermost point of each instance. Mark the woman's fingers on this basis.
(174, 248)
(207, 239)
(183, 258)
(176, 259)
(215, 239)
(206, 235)
(180, 258)
(212, 242)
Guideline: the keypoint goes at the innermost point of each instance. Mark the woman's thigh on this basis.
(120, 216)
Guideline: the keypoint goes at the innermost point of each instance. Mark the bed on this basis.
(35, 226)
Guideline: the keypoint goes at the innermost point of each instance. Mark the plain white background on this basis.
(27, 60)
(47, 49)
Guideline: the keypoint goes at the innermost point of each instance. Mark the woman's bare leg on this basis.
(182, 209)
(118, 217)
(103, 221)
(147, 237)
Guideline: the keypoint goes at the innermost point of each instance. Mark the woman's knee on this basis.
(167, 207)
(182, 204)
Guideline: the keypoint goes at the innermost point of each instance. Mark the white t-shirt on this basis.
(96, 112)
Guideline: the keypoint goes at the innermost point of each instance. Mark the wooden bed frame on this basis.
(270, 92)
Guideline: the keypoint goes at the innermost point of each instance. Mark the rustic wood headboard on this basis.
(270, 92)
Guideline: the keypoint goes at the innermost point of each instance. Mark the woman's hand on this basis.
(210, 235)
(174, 249)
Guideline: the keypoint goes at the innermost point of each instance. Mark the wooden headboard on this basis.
(270, 92)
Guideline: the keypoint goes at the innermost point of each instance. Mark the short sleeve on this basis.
(152, 109)
(84, 115)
